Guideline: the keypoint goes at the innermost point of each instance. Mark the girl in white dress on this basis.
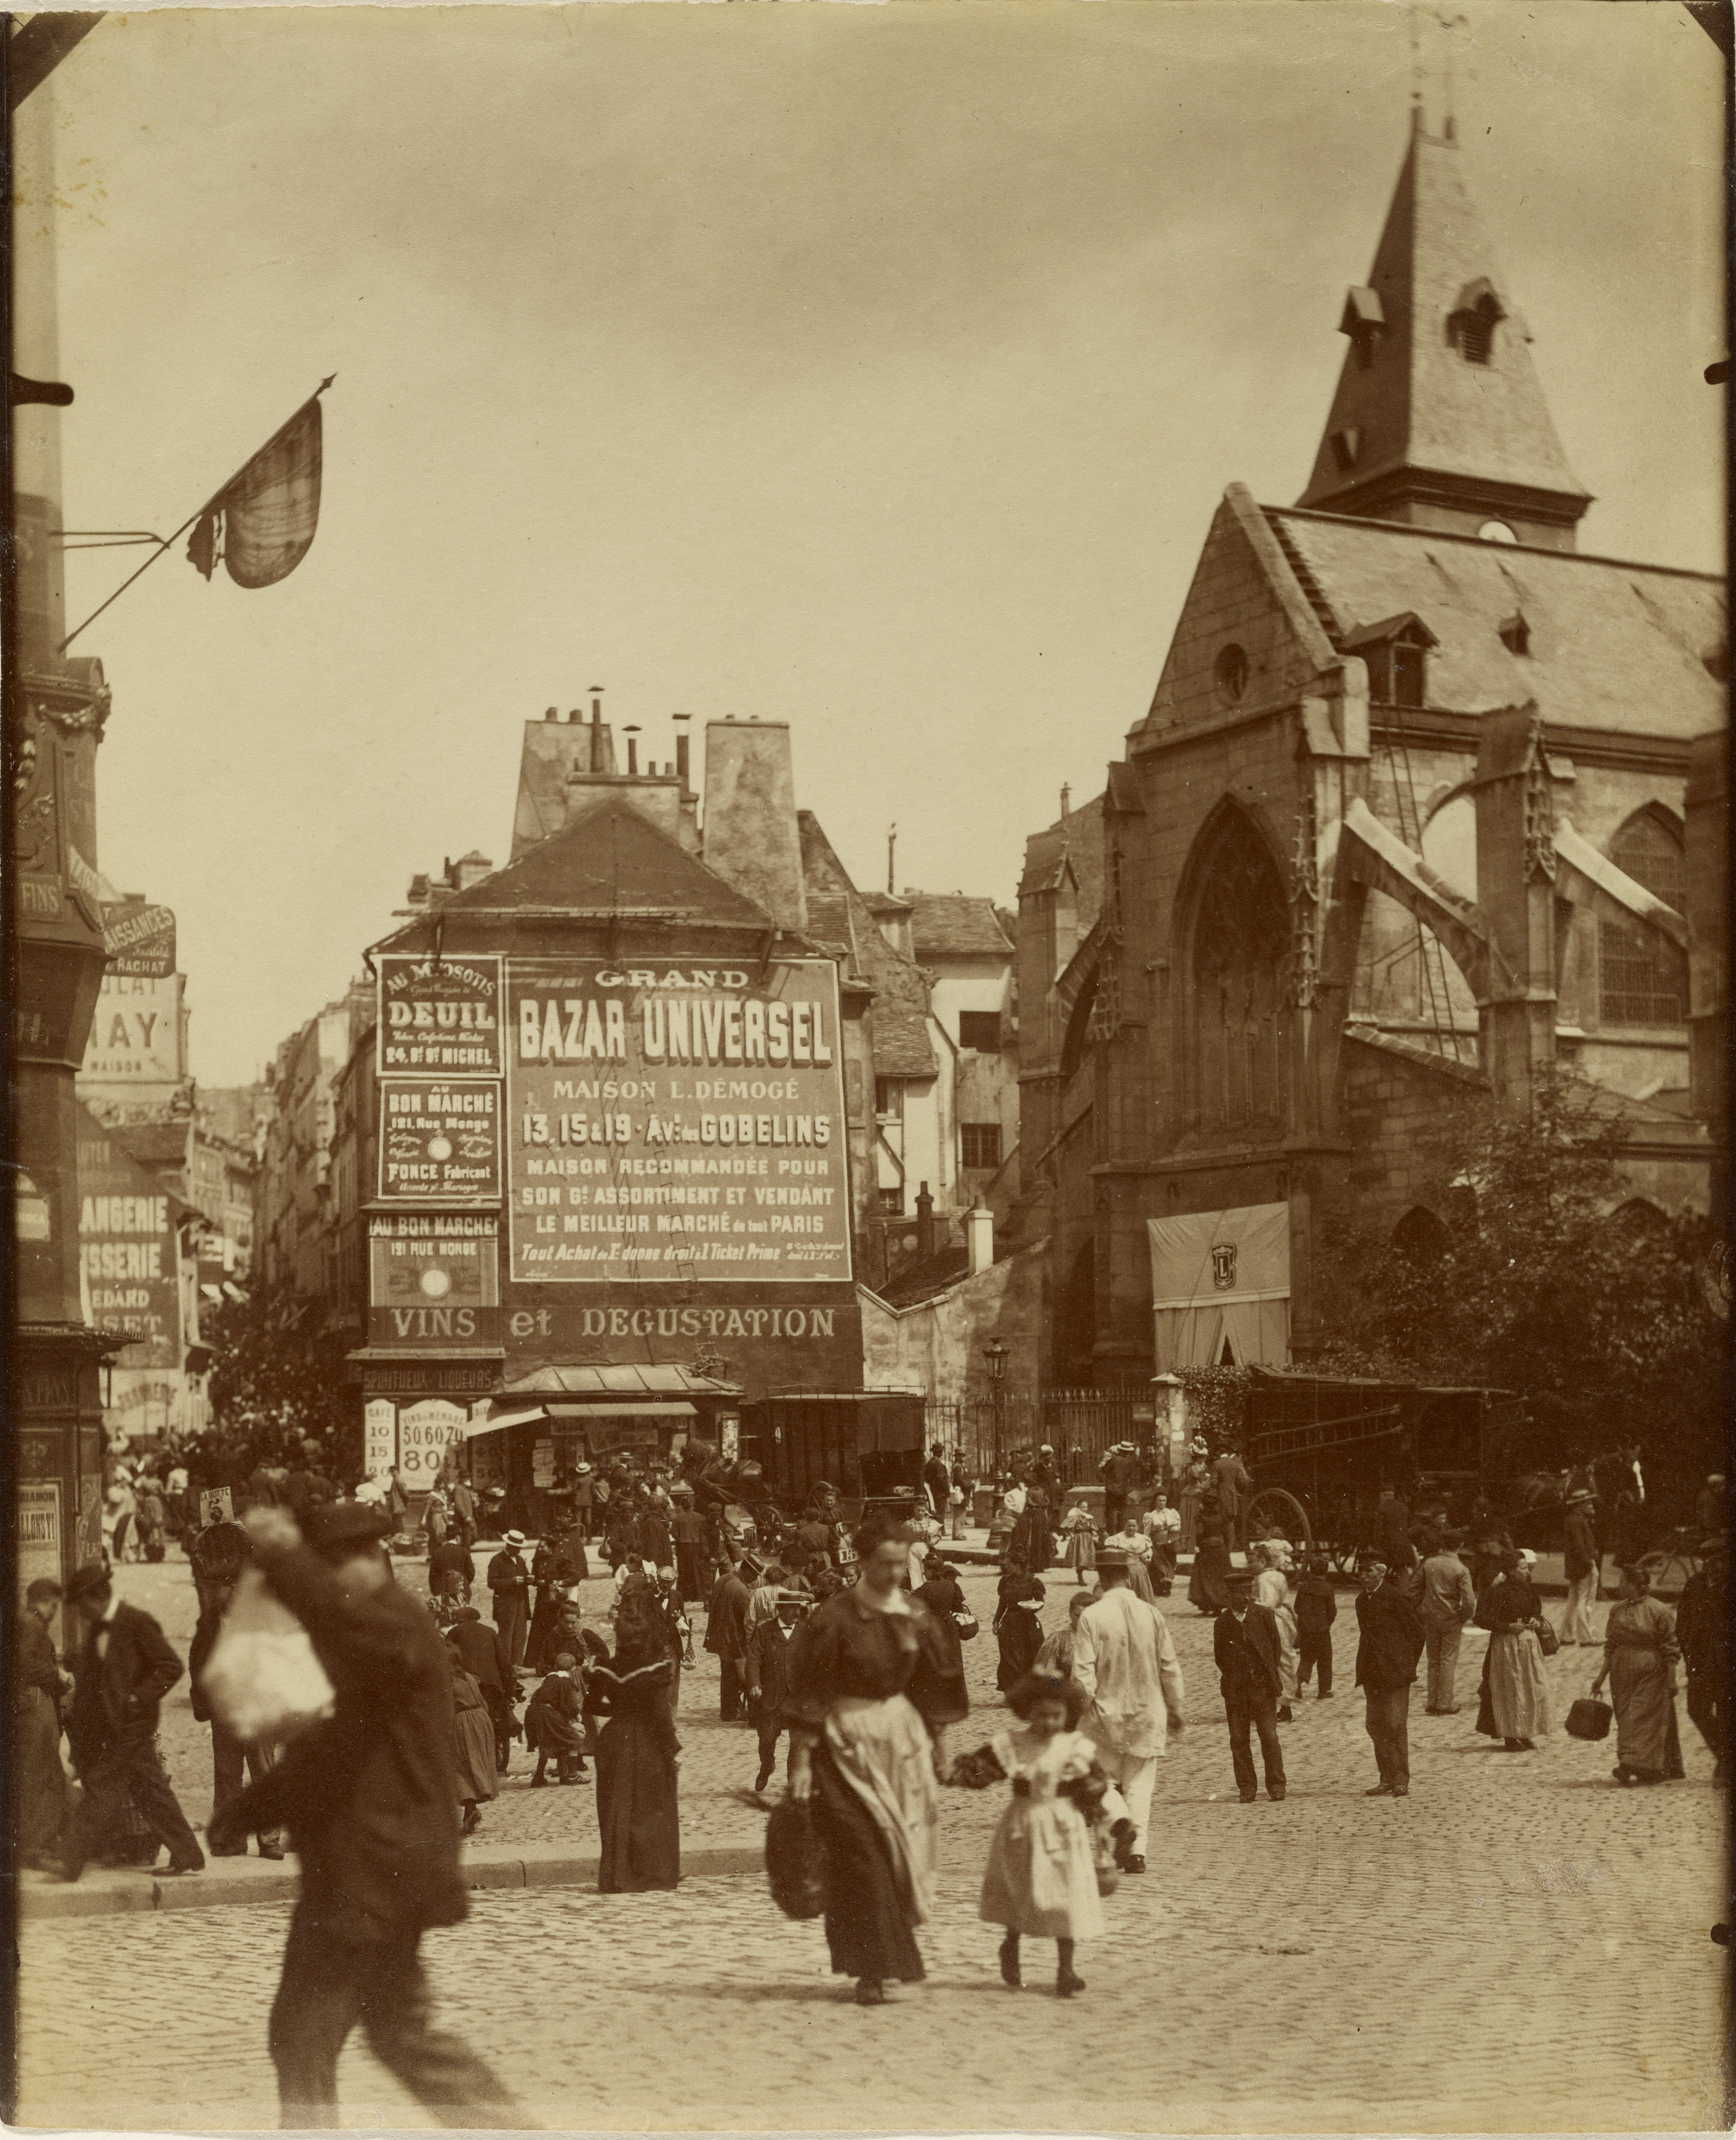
(1041, 1877)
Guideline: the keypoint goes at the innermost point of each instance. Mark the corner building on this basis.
(613, 1090)
(1427, 801)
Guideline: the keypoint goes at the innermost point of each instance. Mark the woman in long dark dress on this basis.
(1017, 1622)
(1208, 1586)
(636, 1753)
(871, 1686)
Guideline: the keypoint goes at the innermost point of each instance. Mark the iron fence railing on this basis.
(1081, 1425)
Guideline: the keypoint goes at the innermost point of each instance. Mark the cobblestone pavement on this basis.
(1518, 1945)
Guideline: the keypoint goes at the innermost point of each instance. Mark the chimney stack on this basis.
(681, 757)
(979, 1238)
(1066, 797)
(751, 839)
(631, 733)
(925, 1222)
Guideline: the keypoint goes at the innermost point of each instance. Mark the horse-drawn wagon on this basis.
(1320, 1449)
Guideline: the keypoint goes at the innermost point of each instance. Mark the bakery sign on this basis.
(440, 1143)
(439, 1017)
(434, 1278)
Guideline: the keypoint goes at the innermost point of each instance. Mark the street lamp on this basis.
(994, 1355)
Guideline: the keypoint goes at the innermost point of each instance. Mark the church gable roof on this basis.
(1612, 646)
(610, 860)
(1248, 633)
(1438, 376)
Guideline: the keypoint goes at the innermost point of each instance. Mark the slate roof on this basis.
(611, 858)
(1612, 645)
(955, 924)
(1076, 838)
(1418, 403)
(839, 913)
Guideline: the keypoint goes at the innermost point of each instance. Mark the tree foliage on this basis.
(1540, 1273)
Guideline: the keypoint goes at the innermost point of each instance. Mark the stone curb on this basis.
(112, 1893)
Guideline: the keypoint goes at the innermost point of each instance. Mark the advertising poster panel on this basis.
(439, 1017)
(425, 1432)
(39, 1532)
(680, 1125)
(136, 1034)
(379, 1436)
(434, 1278)
(440, 1143)
(127, 1248)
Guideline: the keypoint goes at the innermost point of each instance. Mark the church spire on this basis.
(1439, 418)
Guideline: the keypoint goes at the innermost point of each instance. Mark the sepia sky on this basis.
(874, 368)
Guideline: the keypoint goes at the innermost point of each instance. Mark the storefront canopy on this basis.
(577, 1414)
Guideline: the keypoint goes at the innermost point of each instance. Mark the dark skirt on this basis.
(1206, 1587)
(475, 1736)
(40, 1780)
(866, 1928)
(693, 1568)
(1021, 1637)
(636, 1809)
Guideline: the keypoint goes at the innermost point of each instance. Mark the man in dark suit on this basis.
(726, 1636)
(509, 1584)
(1392, 1637)
(124, 1669)
(369, 1800)
(1245, 1646)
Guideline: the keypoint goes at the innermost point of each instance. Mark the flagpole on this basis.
(170, 541)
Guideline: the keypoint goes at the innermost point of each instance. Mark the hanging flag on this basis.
(261, 524)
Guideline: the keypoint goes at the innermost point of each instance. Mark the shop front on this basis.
(531, 1439)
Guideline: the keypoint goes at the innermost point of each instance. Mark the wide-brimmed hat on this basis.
(513, 1538)
(1580, 1494)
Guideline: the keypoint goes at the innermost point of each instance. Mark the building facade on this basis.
(1408, 819)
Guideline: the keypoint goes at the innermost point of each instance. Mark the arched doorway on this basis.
(1236, 1072)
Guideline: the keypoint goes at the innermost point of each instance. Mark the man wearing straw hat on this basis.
(1125, 1658)
(1581, 1557)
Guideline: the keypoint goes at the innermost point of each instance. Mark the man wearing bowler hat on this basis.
(1245, 1646)
(509, 1584)
(123, 1669)
(368, 1798)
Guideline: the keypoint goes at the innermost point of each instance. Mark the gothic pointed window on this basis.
(1642, 977)
(1238, 1033)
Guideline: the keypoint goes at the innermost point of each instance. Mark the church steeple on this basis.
(1439, 418)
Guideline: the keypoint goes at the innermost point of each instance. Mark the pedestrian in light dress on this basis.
(1271, 1589)
(1513, 1703)
(1639, 1658)
(1079, 1533)
(1040, 1879)
(1582, 1559)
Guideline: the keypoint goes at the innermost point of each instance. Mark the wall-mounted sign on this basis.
(39, 1532)
(128, 1253)
(425, 1433)
(135, 1035)
(440, 1143)
(439, 1017)
(139, 941)
(434, 1278)
(379, 1436)
(679, 1126)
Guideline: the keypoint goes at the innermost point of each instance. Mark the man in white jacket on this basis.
(1125, 1658)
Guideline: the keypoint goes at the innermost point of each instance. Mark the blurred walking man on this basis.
(1125, 1658)
(370, 1803)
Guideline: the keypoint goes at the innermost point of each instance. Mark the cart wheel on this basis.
(1343, 1559)
(1272, 1513)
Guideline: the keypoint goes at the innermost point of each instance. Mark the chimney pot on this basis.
(925, 1222)
(553, 714)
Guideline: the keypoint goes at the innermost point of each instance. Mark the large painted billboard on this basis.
(127, 1248)
(440, 1143)
(678, 1125)
(434, 1278)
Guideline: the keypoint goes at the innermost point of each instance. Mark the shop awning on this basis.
(577, 1414)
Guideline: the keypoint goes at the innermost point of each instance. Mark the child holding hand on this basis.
(1040, 1877)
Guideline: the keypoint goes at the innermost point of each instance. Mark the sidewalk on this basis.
(103, 1893)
